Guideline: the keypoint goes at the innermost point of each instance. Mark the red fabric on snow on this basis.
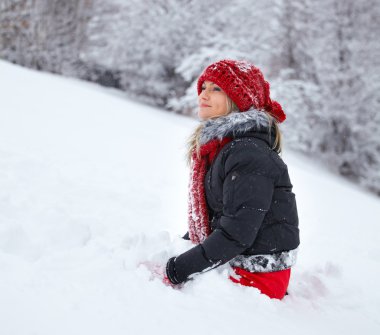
(273, 284)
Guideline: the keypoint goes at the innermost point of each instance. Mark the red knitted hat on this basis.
(244, 84)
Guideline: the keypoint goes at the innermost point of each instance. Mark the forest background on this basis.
(322, 59)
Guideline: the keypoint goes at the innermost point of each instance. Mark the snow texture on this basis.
(93, 185)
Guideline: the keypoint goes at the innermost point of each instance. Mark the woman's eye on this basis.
(215, 88)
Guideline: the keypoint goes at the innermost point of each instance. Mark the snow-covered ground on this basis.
(93, 184)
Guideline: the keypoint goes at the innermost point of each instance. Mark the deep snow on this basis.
(92, 184)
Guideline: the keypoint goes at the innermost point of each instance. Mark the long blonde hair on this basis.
(193, 141)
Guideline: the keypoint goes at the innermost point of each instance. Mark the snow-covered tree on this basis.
(43, 34)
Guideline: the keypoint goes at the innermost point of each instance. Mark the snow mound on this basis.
(94, 186)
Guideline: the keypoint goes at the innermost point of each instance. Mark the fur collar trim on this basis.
(233, 124)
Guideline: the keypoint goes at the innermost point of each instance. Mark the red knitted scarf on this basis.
(198, 218)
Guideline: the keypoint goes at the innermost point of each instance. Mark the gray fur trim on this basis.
(233, 124)
(266, 263)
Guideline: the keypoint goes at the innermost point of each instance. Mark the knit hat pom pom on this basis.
(278, 112)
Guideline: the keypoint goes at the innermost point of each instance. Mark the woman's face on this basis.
(212, 101)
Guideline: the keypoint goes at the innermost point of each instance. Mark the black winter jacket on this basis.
(252, 208)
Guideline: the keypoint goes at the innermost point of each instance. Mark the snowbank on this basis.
(92, 184)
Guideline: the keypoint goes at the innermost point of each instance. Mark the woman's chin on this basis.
(202, 116)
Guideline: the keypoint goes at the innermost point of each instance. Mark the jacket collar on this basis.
(237, 124)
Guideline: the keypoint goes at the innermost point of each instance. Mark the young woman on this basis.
(241, 206)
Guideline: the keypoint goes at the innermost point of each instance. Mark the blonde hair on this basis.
(193, 141)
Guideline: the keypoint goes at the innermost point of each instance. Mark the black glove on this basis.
(186, 236)
(170, 271)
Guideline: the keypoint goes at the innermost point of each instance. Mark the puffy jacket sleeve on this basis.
(247, 194)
